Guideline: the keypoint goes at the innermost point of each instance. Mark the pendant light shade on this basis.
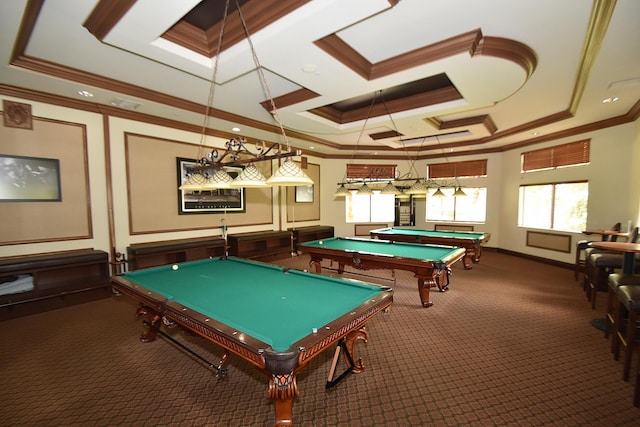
(289, 174)
(438, 193)
(390, 189)
(459, 192)
(365, 189)
(195, 182)
(341, 191)
(250, 177)
(219, 179)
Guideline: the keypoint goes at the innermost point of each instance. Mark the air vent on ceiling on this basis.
(125, 103)
(430, 138)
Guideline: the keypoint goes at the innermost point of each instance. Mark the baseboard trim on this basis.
(569, 266)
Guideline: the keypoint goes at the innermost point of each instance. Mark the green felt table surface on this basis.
(433, 233)
(269, 303)
(385, 248)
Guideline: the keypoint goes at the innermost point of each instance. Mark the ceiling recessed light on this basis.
(610, 100)
(235, 129)
(309, 68)
(125, 103)
(85, 93)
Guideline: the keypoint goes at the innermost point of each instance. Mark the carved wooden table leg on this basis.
(282, 390)
(282, 384)
(466, 261)
(423, 289)
(350, 342)
(315, 266)
(154, 320)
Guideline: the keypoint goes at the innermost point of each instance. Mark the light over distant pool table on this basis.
(275, 318)
(431, 264)
(471, 241)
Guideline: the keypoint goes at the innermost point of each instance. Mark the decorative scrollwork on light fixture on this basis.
(210, 174)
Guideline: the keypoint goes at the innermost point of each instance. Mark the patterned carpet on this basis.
(510, 344)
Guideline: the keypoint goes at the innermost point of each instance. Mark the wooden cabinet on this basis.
(311, 233)
(405, 212)
(262, 245)
(153, 254)
(52, 281)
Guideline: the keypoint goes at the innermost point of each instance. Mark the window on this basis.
(572, 154)
(374, 207)
(561, 206)
(469, 208)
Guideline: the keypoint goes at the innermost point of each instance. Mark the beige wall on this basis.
(634, 176)
(608, 173)
(613, 175)
(97, 182)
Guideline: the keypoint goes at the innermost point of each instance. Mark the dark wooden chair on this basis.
(598, 267)
(581, 247)
(625, 332)
(615, 281)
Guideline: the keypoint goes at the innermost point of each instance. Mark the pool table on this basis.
(471, 241)
(431, 264)
(277, 319)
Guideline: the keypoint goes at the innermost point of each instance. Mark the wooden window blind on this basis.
(458, 169)
(373, 172)
(573, 153)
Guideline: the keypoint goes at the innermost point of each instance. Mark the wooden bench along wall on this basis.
(153, 254)
(453, 227)
(261, 245)
(310, 233)
(362, 230)
(59, 279)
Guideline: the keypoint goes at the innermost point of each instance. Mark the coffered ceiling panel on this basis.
(348, 78)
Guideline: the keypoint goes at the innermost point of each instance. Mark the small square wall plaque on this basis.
(17, 115)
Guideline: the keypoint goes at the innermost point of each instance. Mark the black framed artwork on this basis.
(29, 179)
(210, 201)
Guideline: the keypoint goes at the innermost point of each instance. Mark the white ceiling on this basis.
(518, 104)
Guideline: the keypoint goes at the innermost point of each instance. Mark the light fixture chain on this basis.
(209, 173)
(263, 80)
(212, 87)
(412, 161)
(364, 126)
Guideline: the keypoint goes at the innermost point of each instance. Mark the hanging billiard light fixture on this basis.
(209, 172)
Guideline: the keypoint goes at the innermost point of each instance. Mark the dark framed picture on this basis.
(304, 193)
(29, 179)
(211, 201)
